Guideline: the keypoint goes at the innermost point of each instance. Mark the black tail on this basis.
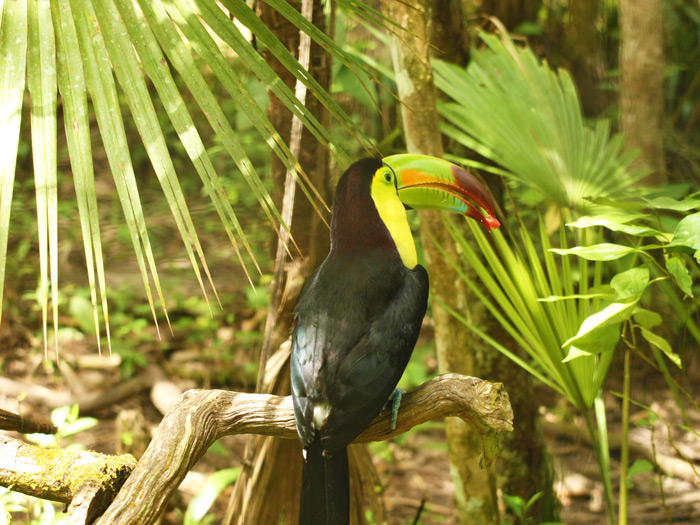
(325, 488)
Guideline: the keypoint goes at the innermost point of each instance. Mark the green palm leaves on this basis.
(518, 113)
(92, 55)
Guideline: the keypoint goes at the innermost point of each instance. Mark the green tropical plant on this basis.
(515, 111)
(568, 315)
(72, 51)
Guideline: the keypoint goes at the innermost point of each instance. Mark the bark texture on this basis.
(203, 416)
(265, 457)
(87, 480)
(641, 83)
(584, 56)
(475, 488)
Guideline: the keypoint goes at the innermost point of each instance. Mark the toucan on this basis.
(359, 314)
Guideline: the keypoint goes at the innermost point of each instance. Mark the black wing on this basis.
(356, 326)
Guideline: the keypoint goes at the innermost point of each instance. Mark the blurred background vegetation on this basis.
(583, 122)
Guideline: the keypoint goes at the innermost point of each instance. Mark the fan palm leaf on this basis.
(82, 54)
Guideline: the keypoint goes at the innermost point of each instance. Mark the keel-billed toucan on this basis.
(359, 314)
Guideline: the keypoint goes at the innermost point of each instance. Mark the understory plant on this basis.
(564, 293)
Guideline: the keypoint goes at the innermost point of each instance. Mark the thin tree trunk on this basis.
(641, 83)
(267, 457)
(523, 469)
(476, 493)
(511, 12)
(584, 56)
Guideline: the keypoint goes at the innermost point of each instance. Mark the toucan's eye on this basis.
(387, 177)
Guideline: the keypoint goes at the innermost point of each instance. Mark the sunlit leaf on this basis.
(130, 77)
(616, 222)
(13, 63)
(71, 83)
(687, 232)
(630, 283)
(677, 268)
(204, 499)
(671, 204)
(597, 252)
(591, 335)
(662, 344)
(516, 111)
(596, 340)
(41, 81)
(102, 89)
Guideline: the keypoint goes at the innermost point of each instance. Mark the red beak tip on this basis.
(491, 223)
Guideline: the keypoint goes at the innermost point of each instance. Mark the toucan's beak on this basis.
(430, 183)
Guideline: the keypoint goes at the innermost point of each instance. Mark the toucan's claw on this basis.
(395, 400)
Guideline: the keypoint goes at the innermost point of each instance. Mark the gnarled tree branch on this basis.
(203, 416)
(62, 475)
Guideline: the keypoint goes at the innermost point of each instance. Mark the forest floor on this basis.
(413, 471)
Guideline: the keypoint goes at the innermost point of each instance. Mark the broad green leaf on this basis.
(618, 222)
(639, 466)
(687, 232)
(13, 63)
(646, 318)
(662, 344)
(590, 334)
(597, 252)
(630, 283)
(677, 268)
(597, 340)
(80, 309)
(671, 204)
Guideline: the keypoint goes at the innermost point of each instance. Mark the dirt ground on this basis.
(413, 472)
(417, 470)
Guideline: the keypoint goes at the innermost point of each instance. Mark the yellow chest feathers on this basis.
(393, 214)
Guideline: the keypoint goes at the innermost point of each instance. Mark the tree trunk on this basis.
(476, 494)
(512, 12)
(641, 83)
(584, 56)
(266, 456)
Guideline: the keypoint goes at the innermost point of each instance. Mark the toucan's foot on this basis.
(395, 400)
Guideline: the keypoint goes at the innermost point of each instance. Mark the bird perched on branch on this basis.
(359, 314)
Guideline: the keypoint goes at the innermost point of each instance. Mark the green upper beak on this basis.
(430, 183)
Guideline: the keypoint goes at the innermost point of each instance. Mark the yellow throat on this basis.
(393, 214)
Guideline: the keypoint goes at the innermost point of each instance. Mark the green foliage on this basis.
(518, 113)
(66, 419)
(38, 511)
(140, 59)
(520, 507)
(569, 305)
(196, 513)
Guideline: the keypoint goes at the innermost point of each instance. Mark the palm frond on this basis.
(84, 54)
(13, 63)
(515, 111)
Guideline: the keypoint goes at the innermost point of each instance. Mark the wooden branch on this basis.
(203, 416)
(11, 421)
(89, 402)
(60, 475)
